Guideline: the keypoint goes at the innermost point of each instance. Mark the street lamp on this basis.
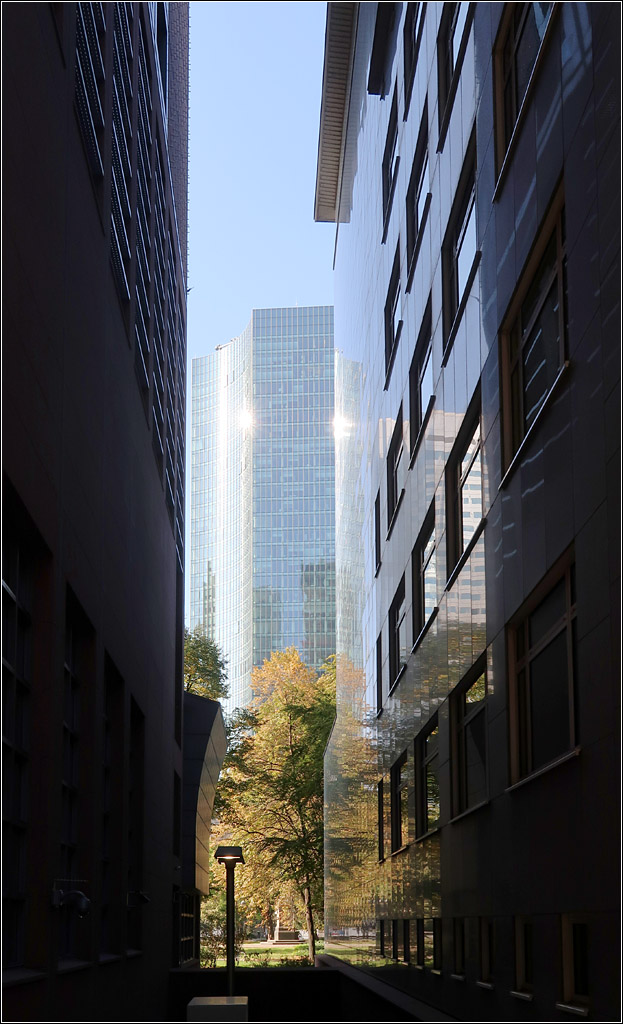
(230, 856)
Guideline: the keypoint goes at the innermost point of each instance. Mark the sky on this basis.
(255, 86)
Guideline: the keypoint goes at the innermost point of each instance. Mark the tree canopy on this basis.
(271, 795)
(205, 668)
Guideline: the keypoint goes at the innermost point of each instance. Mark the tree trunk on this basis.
(309, 918)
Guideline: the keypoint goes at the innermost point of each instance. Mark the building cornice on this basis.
(336, 82)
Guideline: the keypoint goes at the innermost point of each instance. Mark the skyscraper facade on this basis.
(95, 123)
(470, 157)
(262, 574)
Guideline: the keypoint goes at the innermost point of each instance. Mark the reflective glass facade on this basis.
(263, 492)
(458, 769)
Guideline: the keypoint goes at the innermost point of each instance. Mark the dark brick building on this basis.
(95, 127)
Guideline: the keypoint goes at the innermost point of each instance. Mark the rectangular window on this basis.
(450, 50)
(416, 941)
(459, 946)
(399, 803)
(521, 34)
(379, 673)
(390, 159)
(397, 635)
(464, 487)
(427, 814)
(393, 314)
(523, 954)
(396, 470)
(424, 574)
(380, 819)
(575, 960)
(412, 36)
(421, 385)
(487, 949)
(469, 743)
(377, 532)
(542, 656)
(418, 196)
(533, 337)
(432, 943)
(459, 248)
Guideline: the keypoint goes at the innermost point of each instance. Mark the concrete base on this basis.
(218, 1008)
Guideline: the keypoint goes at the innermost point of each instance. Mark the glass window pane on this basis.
(426, 381)
(475, 760)
(547, 614)
(432, 794)
(549, 702)
(466, 252)
(541, 357)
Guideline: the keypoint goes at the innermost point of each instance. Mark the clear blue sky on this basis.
(255, 84)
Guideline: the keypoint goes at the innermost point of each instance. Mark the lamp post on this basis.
(230, 856)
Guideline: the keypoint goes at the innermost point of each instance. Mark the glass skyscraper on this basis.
(262, 574)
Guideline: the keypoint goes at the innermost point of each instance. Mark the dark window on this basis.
(432, 943)
(393, 313)
(521, 34)
(400, 940)
(412, 36)
(424, 574)
(111, 806)
(464, 488)
(523, 954)
(459, 945)
(418, 199)
(449, 56)
(397, 635)
(575, 960)
(380, 820)
(399, 803)
(534, 337)
(136, 809)
(487, 949)
(396, 469)
(379, 673)
(542, 651)
(460, 246)
(427, 813)
(390, 158)
(421, 385)
(377, 532)
(469, 743)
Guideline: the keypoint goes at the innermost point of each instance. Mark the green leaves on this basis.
(204, 667)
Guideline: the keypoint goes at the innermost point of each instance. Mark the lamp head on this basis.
(229, 855)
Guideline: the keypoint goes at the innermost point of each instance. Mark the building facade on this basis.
(95, 125)
(469, 155)
(262, 509)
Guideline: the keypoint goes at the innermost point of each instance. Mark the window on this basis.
(393, 312)
(487, 948)
(418, 196)
(424, 574)
(575, 961)
(380, 819)
(396, 470)
(432, 943)
(421, 386)
(459, 250)
(459, 946)
(377, 532)
(400, 940)
(390, 161)
(521, 34)
(384, 938)
(379, 673)
(399, 803)
(523, 954)
(397, 635)
(464, 488)
(412, 36)
(542, 654)
(469, 743)
(533, 337)
(450, 49)
(427, 778)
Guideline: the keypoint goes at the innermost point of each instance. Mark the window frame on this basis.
(450, 59)
(418, 182)
(486, 951)
(571, 995)
(399, 796)
(514, 429)
(521, 749)
(393, 309)
(379, 673)
(391, 161)
(397, 619)
(419, 564)
(424, 826)
(377, 532)
(457, 549)
(460, 719)
(524, 955)
(422, 356)
(411, 41)
(464, 206)
(396, 455)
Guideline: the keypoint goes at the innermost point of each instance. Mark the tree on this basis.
(271, 795)
(205, 668)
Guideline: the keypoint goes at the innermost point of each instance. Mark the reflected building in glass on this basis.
(468, 155)
(263, 492)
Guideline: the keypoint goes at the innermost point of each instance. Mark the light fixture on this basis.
(230, 856)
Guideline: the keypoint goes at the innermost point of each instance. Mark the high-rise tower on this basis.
(262, 572)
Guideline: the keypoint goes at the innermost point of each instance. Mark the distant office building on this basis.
(262, 508)
(470, 157)
(95, 118)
